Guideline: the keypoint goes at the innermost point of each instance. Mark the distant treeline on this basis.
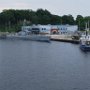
(12, 20)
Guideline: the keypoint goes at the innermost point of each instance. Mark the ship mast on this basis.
(86, 29)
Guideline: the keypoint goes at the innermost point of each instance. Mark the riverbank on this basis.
(62, 38)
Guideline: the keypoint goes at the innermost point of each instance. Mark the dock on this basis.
(64, 38)
(59, 37)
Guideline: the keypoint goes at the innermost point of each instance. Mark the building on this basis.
(44, 29)
(54, 29)
(50, 29)
(37, 29)
(67, 29)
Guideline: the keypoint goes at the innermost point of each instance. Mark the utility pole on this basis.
(79, 25)
(88, 24)
(87, 28)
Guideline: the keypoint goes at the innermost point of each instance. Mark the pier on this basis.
(64, 38)
(61, 38)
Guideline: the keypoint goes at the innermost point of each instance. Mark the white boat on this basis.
(37, 37)
(85, 41)
(29, 33)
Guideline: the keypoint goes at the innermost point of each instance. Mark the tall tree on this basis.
(80, 22)
(68, 19)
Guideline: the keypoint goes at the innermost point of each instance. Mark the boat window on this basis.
(35, 28)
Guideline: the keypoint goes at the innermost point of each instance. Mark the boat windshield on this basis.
(87, 42)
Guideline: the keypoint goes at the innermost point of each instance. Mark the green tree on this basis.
(80, 22)
(68, 19)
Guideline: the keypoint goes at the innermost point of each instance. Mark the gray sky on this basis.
(58, 7)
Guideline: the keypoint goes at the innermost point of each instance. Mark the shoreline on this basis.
(64, 38)
(60, 38)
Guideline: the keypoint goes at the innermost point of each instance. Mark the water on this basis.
(31, 65)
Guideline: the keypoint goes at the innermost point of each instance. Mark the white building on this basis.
(67, 29)
(44, 29)
(51, 29)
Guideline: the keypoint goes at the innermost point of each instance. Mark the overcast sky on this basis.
(57, 7)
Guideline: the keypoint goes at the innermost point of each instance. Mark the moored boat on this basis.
(85, 43)
(85, 40)
(32, 37)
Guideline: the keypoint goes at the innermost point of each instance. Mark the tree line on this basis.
(12, 20)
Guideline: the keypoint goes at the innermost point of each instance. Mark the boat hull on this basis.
(85, 47)
(42, 38)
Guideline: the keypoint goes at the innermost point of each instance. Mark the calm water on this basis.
(30, 65)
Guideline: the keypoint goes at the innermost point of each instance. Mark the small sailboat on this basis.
(85, 40)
